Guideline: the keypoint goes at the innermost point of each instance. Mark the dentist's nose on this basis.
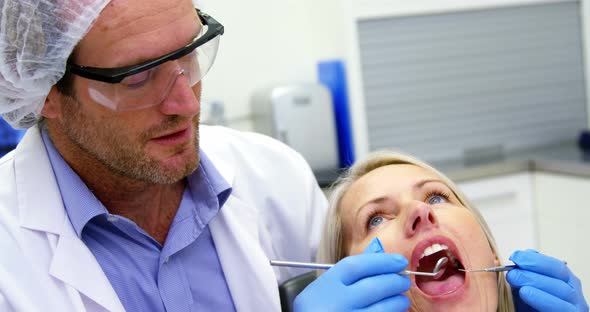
(181, 98)
(421, 218)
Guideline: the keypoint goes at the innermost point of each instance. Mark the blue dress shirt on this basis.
(182, 275)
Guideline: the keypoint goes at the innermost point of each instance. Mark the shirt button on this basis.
(166, 260)
(112, 219)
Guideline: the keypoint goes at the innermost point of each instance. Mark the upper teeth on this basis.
(432, 249)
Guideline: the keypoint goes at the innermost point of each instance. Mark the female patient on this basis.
(393, 213)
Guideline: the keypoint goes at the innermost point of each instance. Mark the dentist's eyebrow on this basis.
(140, 59)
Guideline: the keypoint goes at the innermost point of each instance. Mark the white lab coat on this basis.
(274, 212)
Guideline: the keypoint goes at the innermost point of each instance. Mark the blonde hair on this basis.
(331, 248)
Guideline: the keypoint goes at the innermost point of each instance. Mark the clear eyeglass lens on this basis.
(138, 80)
(151, 87)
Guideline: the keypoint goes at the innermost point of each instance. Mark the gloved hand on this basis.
(543, 283)
(365, 282)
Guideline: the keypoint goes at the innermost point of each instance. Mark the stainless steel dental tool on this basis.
(501, 268)
(492, 269)
(437, 272)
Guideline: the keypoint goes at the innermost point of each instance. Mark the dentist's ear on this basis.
(52, 106)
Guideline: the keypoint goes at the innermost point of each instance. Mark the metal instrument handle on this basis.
(325, 266)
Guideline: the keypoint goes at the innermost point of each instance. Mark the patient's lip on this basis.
(416, 255)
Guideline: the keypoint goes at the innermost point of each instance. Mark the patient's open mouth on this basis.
(450, 281)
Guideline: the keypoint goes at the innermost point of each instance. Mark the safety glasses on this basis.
(149, 83)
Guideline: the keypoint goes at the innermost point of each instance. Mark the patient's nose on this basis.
(421, 218)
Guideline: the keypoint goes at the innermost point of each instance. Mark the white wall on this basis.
(266, 42)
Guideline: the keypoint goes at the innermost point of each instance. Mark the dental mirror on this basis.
(437, 272)
(440, 267)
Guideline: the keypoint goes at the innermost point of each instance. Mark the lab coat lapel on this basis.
(75, 265)
(41, 209)
(250, 278)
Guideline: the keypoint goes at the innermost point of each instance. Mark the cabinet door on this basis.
(506, 204)
(563, 216)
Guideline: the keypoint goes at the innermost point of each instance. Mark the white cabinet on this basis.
(506, 204)
(543, 211)
(563, 218)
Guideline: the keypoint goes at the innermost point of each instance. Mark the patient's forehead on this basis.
(384, 181)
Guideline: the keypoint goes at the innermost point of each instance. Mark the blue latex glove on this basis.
(365, 282)
(543, 283)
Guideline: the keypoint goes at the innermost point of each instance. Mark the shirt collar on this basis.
(213, 177)
(82, 206)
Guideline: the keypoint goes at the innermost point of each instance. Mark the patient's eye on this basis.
(375, 221)
(437, 198)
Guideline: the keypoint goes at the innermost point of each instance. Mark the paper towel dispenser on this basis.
(301, 116)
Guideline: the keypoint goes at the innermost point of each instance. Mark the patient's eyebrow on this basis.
(381, 199)
(377, 200)
(421, 183)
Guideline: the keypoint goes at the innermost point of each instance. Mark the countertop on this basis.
(561, 158)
